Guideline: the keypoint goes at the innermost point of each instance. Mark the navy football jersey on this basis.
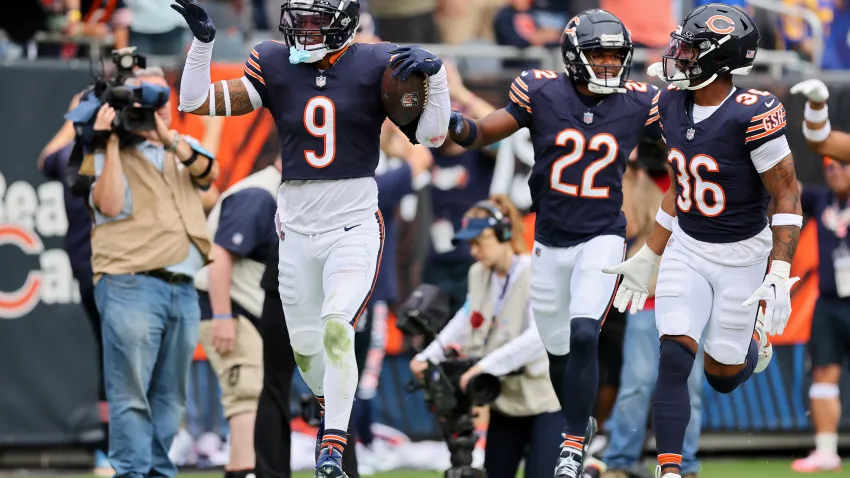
(720, 197)
(329, 123)
(581, 147)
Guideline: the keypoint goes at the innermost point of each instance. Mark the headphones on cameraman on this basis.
(500, 223)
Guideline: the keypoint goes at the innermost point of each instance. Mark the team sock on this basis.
(671, 405)
(582, 375)
(335, 439)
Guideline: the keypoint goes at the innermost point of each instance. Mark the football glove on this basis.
(815, 90)
(414, 58)
(197, 19)
(775, 291)
(637, 273)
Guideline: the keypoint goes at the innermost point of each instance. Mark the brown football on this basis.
(403, 101)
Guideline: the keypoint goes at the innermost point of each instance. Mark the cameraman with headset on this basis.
(497, 324)
(149, 239)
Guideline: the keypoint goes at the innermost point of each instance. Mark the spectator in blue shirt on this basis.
(829, 207)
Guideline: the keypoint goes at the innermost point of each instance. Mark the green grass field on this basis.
(756, 468)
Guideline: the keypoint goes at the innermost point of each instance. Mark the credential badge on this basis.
(690, 134)
(588, 117)
(321, 81)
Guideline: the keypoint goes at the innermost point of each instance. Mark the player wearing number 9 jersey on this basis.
(324, 93)
(583, 124)
(728, 149)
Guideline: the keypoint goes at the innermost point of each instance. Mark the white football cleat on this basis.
(765, 347)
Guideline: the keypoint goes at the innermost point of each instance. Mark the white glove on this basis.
(656, 70)
(815, 90)
(775, 291)
(637, 273)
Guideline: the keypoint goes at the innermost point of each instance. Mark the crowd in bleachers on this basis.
(157, 30)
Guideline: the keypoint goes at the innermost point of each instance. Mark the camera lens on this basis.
(484, 389)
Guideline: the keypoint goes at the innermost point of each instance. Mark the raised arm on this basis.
(820, 137)
(198, 95)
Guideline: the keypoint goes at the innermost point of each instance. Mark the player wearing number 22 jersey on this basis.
(324, 93)
(728, 149)
(583, 124)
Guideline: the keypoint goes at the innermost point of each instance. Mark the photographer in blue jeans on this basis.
(641, 348)
(149, 239)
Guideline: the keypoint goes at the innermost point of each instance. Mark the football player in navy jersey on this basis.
(323, 92)
(583, 126)
(728, 149)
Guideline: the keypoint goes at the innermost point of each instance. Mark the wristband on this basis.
(817, 135)
(222, 316)
(191, 159)
(206, 171)
(473, 134)
(664, 220)
(787, 220)
(74, 16)
(815, 116)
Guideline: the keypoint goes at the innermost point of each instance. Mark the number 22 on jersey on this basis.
(586, 189)
(694, 188)
(324, 106)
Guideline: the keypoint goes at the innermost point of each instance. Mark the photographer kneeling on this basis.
(149, 239)
(497, 324)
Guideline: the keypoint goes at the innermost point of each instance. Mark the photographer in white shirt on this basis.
(497, 324)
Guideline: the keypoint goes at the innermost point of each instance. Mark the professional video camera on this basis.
(135, 107)
(425, 313)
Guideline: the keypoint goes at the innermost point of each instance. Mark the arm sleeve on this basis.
(195, 82)
(522, 350)
(393, 186)
(433, 125)
(519, 105)
(455, 332)
(246, 223)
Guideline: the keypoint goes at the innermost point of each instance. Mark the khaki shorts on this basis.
(240, 373)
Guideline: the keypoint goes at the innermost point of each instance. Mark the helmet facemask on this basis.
(685, 58)
(605, 77)
(315, 30)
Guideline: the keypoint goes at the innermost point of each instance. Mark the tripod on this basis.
(459, 433)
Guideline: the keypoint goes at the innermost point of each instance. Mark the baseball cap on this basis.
(472, 227)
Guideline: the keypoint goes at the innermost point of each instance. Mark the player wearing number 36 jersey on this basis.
(583, 124)
(728, 149)
(324, 93)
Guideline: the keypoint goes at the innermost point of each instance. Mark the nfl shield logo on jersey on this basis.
(321, 81)
(690, 134)
(588, 117)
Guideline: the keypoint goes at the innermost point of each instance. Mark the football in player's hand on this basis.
(403, 101)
